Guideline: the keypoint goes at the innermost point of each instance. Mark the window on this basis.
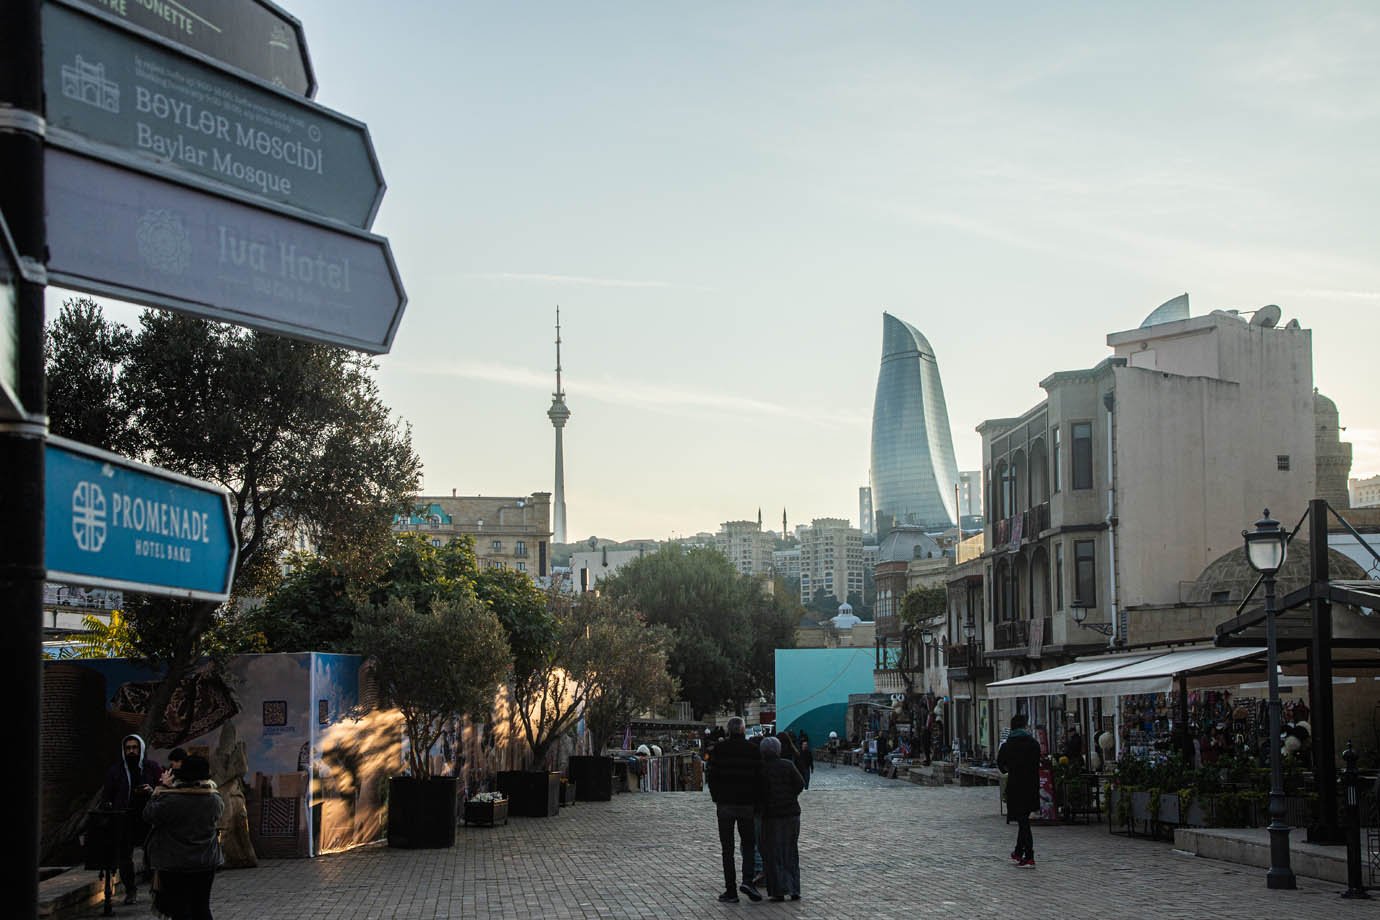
(1058, 576)
(522, 566)
(1056, 436)
(496, 546)
(1082, 455)
(1282, 462)
(520, 548)
(1085, 573)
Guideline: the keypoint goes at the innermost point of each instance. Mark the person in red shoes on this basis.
(1019, 759)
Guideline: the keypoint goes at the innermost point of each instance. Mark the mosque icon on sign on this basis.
(86, 82)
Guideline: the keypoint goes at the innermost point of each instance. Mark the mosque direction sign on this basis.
(114, 523)
(149, 239)
(255, 36)
(120, 94)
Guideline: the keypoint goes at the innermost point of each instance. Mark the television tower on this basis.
(559, 415)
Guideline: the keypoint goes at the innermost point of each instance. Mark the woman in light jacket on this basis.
(184, 843)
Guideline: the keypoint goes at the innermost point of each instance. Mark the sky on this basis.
(723, 198)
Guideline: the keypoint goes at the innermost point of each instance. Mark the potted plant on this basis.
(486, 808)
(432, 665)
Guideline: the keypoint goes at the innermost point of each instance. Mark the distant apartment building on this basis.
(970, 493)
(509, 532)
(746, 546)
(786, 563)
(1365, 493)
(831, 558)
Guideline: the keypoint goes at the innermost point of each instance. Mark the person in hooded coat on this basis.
(184, 841)
(1019, 759)
(128, 784)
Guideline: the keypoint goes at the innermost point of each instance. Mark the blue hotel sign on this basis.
(115, 523)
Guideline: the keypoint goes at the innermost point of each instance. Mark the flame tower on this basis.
(559, 415)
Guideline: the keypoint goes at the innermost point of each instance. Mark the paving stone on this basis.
(871, 848)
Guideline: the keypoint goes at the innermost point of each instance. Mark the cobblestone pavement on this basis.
(870, 848)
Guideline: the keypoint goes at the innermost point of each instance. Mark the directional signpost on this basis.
(114, 523)
(172, 245)
(253, 35)
(135, 96)
(156, 151)
(10, 276)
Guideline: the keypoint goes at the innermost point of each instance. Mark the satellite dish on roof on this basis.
(1266, 317)
(1292, 325)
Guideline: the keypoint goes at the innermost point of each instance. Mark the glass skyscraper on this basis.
(913, 466)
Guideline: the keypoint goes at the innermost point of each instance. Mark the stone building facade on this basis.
(509, 532)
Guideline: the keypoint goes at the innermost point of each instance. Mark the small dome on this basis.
(1228, 577)
(845, 607)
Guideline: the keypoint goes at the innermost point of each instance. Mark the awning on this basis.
(1052, 680)
(1197, 667)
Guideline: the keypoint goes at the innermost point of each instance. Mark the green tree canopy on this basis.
(296, 432)
(720, 621)
(434, 664)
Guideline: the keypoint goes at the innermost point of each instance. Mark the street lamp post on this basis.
(969, 633)
(1266, 549)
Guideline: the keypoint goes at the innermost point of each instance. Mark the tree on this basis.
(434, 665)
(635, 676)
(296, 432)
(313, 609)
(709, 608)
(603, 661)
(917, 607)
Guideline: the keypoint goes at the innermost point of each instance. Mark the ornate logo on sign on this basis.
(87, 83)
(163, 242)
(88, 516)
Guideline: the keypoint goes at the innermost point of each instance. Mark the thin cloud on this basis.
(637, 394)
(582, 280)
(1336, 294)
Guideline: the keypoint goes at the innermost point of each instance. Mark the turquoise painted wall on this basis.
(812, 687)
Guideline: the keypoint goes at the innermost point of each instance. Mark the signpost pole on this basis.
(21, 445)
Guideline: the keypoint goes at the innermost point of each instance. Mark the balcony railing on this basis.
(1016, 633)
(1031, 524)
(965, 656)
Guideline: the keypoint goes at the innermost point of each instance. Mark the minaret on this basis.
(559, 415)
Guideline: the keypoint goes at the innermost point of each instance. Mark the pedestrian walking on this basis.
(1019, 759)
(805, 760)
(128, 785)
(184, 841)
(737, 787)
(781, 823)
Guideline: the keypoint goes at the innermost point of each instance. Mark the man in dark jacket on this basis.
(736, 785)
(128, 785)
(1019, 759)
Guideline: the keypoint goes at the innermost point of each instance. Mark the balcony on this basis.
(1031, 523)
(1014, 634)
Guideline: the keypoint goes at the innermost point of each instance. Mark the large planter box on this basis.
(593, 778)
(421, 812)
(486, 813)
(531, 794)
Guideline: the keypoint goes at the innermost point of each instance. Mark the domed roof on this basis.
(1228, 577)
(1322, 403)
